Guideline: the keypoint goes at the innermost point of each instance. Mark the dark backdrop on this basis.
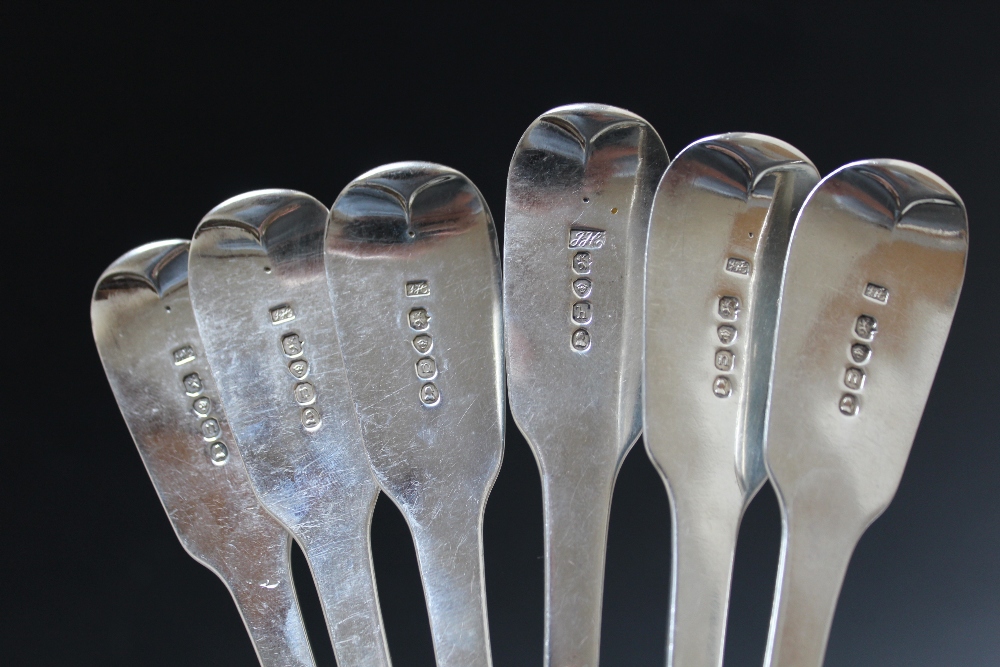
(125, 126)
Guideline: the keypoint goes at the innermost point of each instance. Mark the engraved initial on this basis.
(183, 355)
(281, 314)
(876, 292)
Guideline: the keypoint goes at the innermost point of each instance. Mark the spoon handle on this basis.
(815, 553)
(264, 592)
(704, 541)
(340, 560)
(577, 505)
(449, 546)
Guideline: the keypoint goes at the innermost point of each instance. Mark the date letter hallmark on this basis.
(304, 393)
(426, 368)
(589, 239)
(854, 378)
(281, 314)
(210, 429)
(417, 288)
(725, 360)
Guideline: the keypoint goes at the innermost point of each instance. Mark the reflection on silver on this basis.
(138, 319)
(725, 204)
(836, 458)
(582, 176)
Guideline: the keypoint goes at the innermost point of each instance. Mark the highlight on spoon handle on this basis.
(703, 542)
(449, 546)
(815, 554)
(576, 510)
(266, 600)
(340, 560)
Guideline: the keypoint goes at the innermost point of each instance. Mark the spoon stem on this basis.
(449, 546)
(266, 599)
(704, 541)
(815, 554)
(577, 506)
(340, 561)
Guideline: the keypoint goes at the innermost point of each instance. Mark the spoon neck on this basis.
(449, 546)
(576, 511)
(814, 558)
(270, 612)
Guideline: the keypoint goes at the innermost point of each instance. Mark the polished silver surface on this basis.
(873, 275)
(154, 358)
(414, 275)
(579, 192)
(258, 286)
(718, 235)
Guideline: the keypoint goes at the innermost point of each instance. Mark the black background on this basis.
(125, 126)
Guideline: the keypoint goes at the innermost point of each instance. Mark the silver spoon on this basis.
(873, 275)
(718, 235)
(414, 276)
(149, 345)
(258, 287)
(579, 191)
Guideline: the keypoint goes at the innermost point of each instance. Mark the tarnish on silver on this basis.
(836, 458)
(718, 235)
(579, 192)
(435, 447)
(253, 257)
(148, 341)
